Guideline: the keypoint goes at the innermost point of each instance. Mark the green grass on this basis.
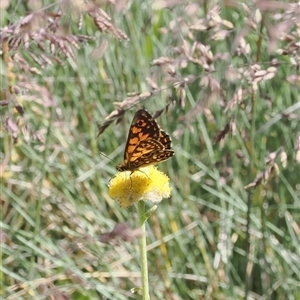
(213, 239)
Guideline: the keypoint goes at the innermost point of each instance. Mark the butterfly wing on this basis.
(146, 143)
(165, 139)
(143, 127)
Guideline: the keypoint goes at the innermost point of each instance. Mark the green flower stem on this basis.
(143, 251)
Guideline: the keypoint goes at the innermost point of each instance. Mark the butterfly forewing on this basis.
(142, 128)
(146, 144)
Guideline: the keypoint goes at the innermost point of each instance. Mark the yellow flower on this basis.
(145, 184)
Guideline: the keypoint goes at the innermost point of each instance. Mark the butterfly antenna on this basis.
(103, 154)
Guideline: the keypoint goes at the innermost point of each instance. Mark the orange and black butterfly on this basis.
(146, 144)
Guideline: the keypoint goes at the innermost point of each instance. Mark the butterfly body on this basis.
(146, 143)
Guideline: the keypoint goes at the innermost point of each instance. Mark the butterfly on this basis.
(146, 143)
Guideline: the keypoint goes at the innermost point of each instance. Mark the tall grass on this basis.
(225, 76)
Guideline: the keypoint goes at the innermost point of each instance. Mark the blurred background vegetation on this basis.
(223, 79)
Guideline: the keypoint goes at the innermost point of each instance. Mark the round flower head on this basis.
(147, 183)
